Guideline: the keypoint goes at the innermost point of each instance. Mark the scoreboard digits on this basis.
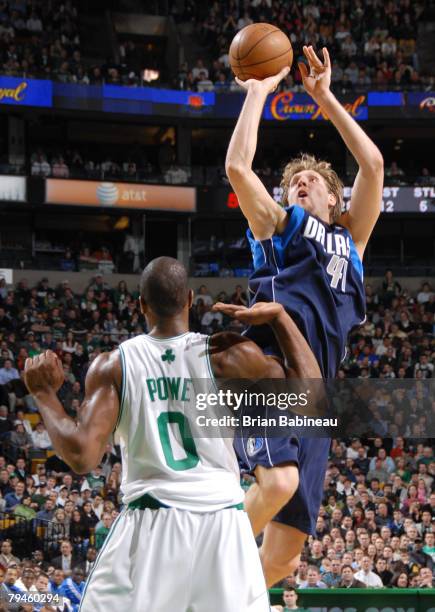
(401, 199)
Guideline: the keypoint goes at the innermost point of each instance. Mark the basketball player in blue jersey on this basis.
(307, 256)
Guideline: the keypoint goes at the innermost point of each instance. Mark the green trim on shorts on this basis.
(147, 501)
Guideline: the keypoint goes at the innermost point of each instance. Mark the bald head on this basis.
(163, 286)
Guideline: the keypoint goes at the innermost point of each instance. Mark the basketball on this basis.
(258, 51)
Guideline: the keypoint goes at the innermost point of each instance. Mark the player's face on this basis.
(308, 189)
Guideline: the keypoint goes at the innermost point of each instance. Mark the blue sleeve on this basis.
(257, 251)
(355, 259)
(295, 217)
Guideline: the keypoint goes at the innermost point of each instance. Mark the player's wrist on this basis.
(44, 394)
(279, 316)
(256, 89)
(323, 97)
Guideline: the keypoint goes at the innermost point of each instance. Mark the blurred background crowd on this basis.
(376, 526)
(373, 44)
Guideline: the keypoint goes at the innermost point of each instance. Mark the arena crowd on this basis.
(376, 527)
(372, 44)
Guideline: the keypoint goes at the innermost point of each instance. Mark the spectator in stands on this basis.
(313, 579)
(7, 557)
(89, 562)
(333, 578)
(26, 581)
(390, 288)
(426, 177)
(425, 294)
(8, 372)
(40, 165)
(366, 575)
(348, 580)
(290, 599)
(103, 529)
(73, 587)
(66, 561)
(20, 440)
(401, 581)
(425, 578)
(199, 69)
(40, 438)
(5, 423)
(10, 579)
(47, 511)
(175, 174)
(95, 481)
(204, 295)
(239, 297)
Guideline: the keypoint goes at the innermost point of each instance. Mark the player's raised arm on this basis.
(365, 206)
(264, 215)
(80, 443)
(237, 357)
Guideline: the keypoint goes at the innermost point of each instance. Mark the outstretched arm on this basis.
(244, 359)
(264, 215)
(365, 206)
(80, 443)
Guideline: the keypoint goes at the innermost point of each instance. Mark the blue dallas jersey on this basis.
(314, 271)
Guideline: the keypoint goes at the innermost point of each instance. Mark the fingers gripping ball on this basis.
(258, 51)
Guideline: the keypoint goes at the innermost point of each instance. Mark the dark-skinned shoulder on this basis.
(105, 370)
(234, 356)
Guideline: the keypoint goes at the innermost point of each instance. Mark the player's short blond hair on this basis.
(309, 162)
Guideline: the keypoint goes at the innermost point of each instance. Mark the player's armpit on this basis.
(263, 214)
(234, 356)
(365, 206)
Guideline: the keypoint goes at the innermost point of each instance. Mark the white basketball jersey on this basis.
(163, 451)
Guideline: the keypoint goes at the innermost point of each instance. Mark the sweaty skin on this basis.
(81, 443)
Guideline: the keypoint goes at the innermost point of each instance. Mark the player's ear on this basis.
(143, 306)
(190, 298)
(332, 200)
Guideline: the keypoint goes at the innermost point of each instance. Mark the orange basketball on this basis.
(258, 51)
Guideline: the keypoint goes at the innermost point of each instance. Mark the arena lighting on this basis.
(122, 223)
(150, 74)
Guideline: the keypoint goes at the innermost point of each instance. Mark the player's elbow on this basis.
(80, 456)
(236, 169)
(82, 464)
(376, 163)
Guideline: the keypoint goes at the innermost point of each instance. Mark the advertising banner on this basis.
(361, 600)
(425, 102)
(289, 105)
(120, 195)
(12, 189)
(25, 92)
(159, 96)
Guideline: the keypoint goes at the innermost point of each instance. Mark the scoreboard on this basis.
(417, 199)
(403, 199)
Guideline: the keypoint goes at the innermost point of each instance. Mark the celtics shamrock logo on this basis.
(168, 356)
